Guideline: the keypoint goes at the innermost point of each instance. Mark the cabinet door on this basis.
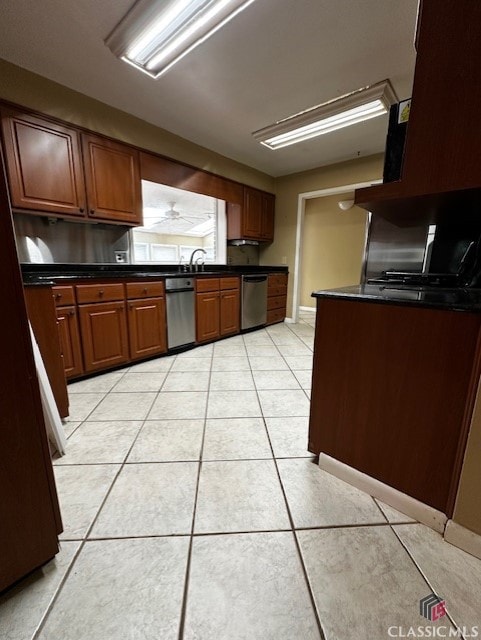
(229, 312)
(252, 214)
(268, 205)
(70, 341)
(43, 164)
(147, 328)
(43, 318)
(112, 174)
(207, 316)
(103, 329)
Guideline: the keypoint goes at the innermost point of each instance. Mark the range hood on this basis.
(241, 243)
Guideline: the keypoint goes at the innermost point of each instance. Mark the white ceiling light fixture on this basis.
(352, 108)
(155, 34)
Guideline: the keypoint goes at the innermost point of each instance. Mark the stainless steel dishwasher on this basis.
(180, 296)
(254, 301)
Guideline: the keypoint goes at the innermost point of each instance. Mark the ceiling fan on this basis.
(172, 215)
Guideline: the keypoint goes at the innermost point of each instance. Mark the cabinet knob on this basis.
(144, 290)
(81, 209)
(101, 292)
(58, 296)
(71, 313)
(92, 212)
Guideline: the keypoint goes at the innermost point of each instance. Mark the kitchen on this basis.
(288, 351)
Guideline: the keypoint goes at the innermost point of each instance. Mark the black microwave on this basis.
(395, 140)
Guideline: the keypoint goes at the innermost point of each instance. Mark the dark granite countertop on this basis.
(421, 296)
(49, 274)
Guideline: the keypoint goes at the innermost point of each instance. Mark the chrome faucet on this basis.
(191, 260)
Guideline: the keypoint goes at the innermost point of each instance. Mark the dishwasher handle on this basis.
(254, 278)
(181, 290)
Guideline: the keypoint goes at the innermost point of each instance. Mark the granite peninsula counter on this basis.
(395, 376)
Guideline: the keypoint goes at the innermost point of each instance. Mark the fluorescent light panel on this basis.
(156, 34)
(345, 111)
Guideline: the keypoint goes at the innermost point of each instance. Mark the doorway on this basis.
(310, 266)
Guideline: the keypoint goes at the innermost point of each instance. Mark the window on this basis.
(176, 222)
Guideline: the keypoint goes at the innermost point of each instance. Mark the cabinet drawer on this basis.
(136, 290)
(229, 283)
(206, 284)
(99, 292)
(275, 315)
(63, 296)
(276, 302)
(276, 290)
(277, 279)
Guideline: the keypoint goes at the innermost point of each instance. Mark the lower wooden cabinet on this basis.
(217, 308)
(276, 297)
(207, 314)
(42, 316)
(103, 327)
(70, 345)
(147, 327)
(229, 312)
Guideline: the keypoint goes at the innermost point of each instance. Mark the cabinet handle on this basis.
(144, 290)
(101, 292)
(92, 212)
(81, 209)
(58, 296)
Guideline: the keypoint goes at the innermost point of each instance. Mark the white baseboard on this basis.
(307, 308)
(289, 320)
(394, 498)
(463, 538)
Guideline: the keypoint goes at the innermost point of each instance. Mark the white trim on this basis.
(307, 308)
(463, 538)
(289, 320)
(301, 210)
(394, 498)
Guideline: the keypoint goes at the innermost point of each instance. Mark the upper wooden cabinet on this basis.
(112, 176)
(43, 164)
(443, 141)
(254, 219)
(55, 169)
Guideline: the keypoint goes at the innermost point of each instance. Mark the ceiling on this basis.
(276, 58)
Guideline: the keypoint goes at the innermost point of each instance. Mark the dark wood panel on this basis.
(252, 214)
(63, 296)
(207, 316)
(229, 312)
(70, 341)
(42, 315)
(229, 283)
(175, 174)
(275, 315)
(112, 175)
(392, 388)
(103, 328)
(444, 137)
(29, 512)
(207, 284)
(443, 142)
(102, 292)
(44, 164)
(144, 289)
(268, 216)
(147, 327)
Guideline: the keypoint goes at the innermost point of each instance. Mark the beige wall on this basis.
(31, 90)
(288, 189)
(467, 512)
(333, 246)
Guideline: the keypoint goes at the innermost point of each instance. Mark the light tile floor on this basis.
(192, 509)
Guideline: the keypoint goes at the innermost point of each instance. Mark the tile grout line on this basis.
(83, 541)
(291, 521)
(183, 610)
(421, 572)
